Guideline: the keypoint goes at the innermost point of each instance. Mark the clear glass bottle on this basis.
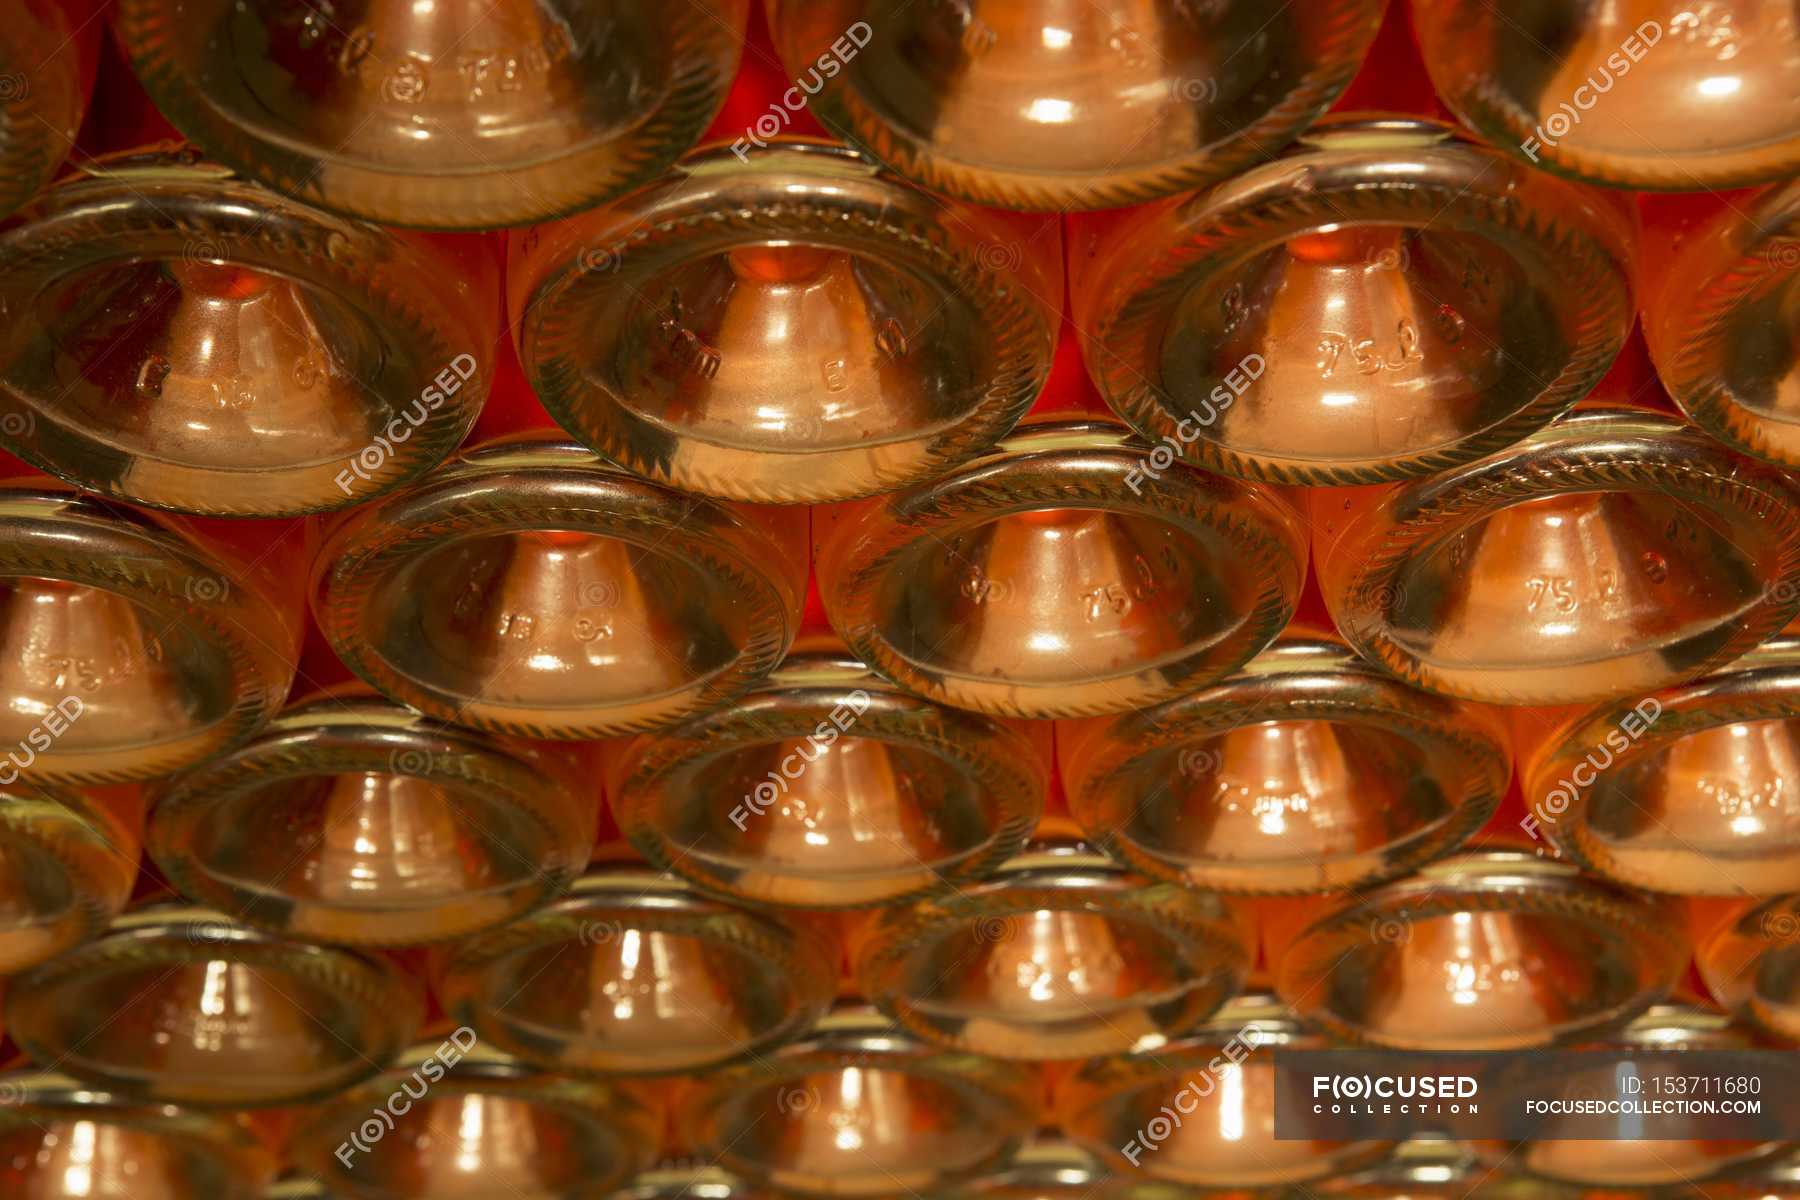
(859, 1107)
(1692, 789)
(633, 972)
(1624, 1161)
(1060, 104)
(1493, 948)
(356, 820)
(1748, 953)
(853, 791)
(1386, 298)
(1776, 1179)
(1227, 1141)
(1060, 953)
(459, 114)
(1049, 1168)
(1721, 313)
(682, 1179)
(71, 859)
(65, 1140)
(529, 587)
(1657, 95)
(48, 53)
(180, 1005)
(174, 335)
(1611, 553)
(133, 644)
(1428, 1169)
(452, 1119)
(1071, 571)
(839, 333)
(1308, 769)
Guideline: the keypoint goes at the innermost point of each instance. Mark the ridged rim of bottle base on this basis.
(1329, 683)
(87, 840)
(612, 1115)
(1480, 881)
(856, 1037)
(1583, 266)
(609, 901)
(1694, 362)
(792, 704)
(92, 542)
(1212, 934)
(356, 735)
(169, 936)
(235, 1154)
(850, 206)
(1729, 960)
(1431, 1167)
(705, 51)
(31, 146)
(1763, 685)
(1340, 55)
(1020, 476)
(1607, 449)
(556, 486)
(107, 212)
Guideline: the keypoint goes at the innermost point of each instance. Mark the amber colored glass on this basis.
(1613, 552)
(859, 1107)
(1386, 298)
(1228, 1139)
(181, 1005)
(1060, 104)
(1623, 1161)
(176, 336)
(1428, 1169)
(131, 644)
(353, 819)
(637, 973)
(842, 333)
(1775, 1179)
(1689, 789)
(48, 50)
(1658, 95)
(1748, 954)
(64, 1140)
(1307, 769)
(68, 860)
(1048, 1168)
(1060, 953)
(454, 1120)
(826, 786)
(1488, 949)
(457, 114)
(529, 587)
(682, 1179)
(1722, 319)
(1068, 572)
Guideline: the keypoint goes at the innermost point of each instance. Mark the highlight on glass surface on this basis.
(353, 819)
(1688, 789)
(1657, 95)
(1070, 571)
(1624, 1161)
(530, 587)
(1722, 317)
(1307, 769)
(1431, 1169)
(68, 860)
(180, 1005)
(682, 1179)
(65, 1140)
(454, 1120)
(1772, 1179)
(1049, 1168)
(459, 114)
(1226, 1139)
(1488, 949)
(841, 333)
(183, 338)
(1060, 953)
(131, 644)
(1059, 104)
(1748, 953)
(632, 972)
(1386, 298)
(825, 786)
(1612, 553)
(859, 1107)
(48, 53)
